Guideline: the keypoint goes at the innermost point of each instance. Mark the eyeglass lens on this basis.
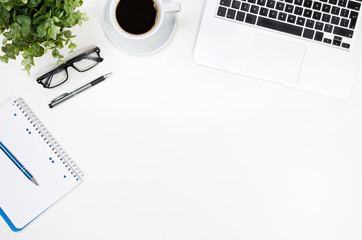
(57, 77)
(87, 62)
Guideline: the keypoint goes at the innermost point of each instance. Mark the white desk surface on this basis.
(172, 150)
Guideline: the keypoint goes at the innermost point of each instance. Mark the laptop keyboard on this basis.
(331, 22)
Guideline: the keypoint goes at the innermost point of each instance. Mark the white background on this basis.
(172, 150)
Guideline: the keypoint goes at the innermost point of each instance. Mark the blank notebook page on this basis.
(27, 139)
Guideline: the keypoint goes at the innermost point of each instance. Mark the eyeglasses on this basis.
(81, 63)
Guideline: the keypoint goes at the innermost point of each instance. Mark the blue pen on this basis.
(18, 164)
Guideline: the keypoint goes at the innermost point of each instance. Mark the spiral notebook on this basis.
(21, 201)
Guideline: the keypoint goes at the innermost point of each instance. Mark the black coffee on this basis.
(136, 16)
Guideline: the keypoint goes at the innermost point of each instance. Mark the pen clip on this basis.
(60, 97)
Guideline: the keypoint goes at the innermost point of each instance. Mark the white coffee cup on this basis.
(162, 8)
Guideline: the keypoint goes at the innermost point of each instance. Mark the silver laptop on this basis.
(313, 45)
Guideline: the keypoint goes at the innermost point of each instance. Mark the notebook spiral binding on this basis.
(73, 169)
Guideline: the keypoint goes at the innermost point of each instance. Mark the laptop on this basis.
(312, 45)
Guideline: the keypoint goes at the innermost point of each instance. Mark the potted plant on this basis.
(33, 27)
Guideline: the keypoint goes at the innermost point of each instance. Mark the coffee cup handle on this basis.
(172, 7)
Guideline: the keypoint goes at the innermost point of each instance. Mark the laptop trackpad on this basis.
(274, 58)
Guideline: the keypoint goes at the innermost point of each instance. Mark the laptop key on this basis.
(353, 16)
(291, 18)
(344, 12)
(231, 13)
(254, 9)
(250, 18)
(225, 3)
(326, 8)
(328, 28)
(336, 42)
(326, 17)
(273, 14)
(298, 11)
(300, 21)
(342, 3)
(221, 11)
(344, 32)
(354, 5)
(279, 26)
(264, 11)
(308, 3)
(344, 22)
(317, 15)
(307, 13)
(289, 8)
(308, 33)
(261, 2)
(280, 6)
(345, 45)
(335, 20)
(282, 16)
(327, 40)
(317, 5)
(270, 3)
(236, 5)
(310, 23)
(319, 25)
(240, 16)
(318, 36)
(298, 2)
(245, 7)
(332, 1)
(335, 10)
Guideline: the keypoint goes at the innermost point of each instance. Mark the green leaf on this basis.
(41, 31)
(15, 31)
(27, 51)
(67, 34)
(32, 27)
(9, 51)
(55, 19)
(37, 50)
(23, 20)
(15, 28)
(34, 3)
(8, 6)
(27, 68)
(25, 30)
(55, 53)
(4, 59)
(49, 44)
(25, 61)
(72, 46)
(7, 34)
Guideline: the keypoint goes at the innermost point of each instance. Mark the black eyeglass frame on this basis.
(66, 65)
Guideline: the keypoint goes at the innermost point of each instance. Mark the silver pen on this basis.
(64, 97)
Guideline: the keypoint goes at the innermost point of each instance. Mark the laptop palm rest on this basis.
(276, 59)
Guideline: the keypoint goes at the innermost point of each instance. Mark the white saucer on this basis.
(140, 46)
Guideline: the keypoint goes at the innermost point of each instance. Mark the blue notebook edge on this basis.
(9, 222)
